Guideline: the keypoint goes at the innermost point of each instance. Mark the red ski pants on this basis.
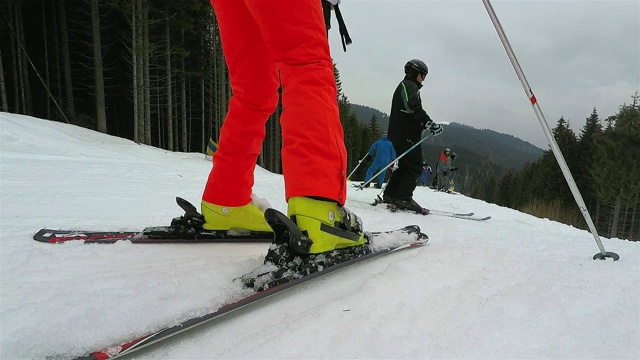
(265, 43)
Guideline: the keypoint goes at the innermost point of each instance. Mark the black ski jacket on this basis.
(407, 118)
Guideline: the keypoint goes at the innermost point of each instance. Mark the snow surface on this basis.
(513, 287)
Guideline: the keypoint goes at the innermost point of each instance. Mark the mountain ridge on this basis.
(482, 153)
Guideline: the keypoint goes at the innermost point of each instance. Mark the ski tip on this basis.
(43, 235)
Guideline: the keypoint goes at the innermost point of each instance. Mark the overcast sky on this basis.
(576, 55)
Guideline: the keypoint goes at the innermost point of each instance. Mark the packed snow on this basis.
(512, 287)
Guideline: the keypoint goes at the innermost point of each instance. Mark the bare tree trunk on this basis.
(46, 57)
(101, 115)
(160, 117)
(3, 90)
(634, 219)
(15, 48)
(134, 67)
(189, 116)
(141, 83)
(628, 219)
(26, 85)
(169, 83)
(203, 129)
(183, 120)
(21, 105)
(140, 71)
(56, 52)
(147, 78)
(616, 218)
(68, 83)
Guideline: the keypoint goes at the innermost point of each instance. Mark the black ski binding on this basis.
(192, 220)
(287, 232)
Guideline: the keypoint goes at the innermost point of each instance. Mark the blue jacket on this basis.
(384, 150)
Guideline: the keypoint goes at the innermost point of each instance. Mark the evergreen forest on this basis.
(604, 160)
(147, 70)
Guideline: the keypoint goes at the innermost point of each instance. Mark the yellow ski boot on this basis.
(328, 225)
(247, 217)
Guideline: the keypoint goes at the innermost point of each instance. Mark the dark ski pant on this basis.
(443, 181)
(403, 180)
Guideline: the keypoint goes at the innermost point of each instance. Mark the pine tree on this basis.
(586, 154)
(374, 132)
(568, 144)
(617, 177)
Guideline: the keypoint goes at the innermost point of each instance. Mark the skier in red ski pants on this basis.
(268, 43)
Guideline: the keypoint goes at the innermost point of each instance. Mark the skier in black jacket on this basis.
(407, 121)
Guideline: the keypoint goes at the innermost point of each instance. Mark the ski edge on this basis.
(51, 236)
(467, 216)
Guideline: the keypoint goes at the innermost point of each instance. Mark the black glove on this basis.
(454, 168)
(436, 129)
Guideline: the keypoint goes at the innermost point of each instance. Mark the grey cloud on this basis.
(575, 54)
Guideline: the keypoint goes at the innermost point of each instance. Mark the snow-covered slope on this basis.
(513, 287)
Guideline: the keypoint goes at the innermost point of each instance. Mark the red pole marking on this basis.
(533, 99)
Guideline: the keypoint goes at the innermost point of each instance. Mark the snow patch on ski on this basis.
(388, 240)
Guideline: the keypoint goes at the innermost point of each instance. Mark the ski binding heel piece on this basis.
(287, 232)
(191, 218)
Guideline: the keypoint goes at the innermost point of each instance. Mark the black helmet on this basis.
(414, 67)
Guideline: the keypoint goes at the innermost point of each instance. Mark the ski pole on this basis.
(391, 163)
(577, 196)
(357, 166)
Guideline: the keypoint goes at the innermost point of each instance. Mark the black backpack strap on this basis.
(344, 34)
(326, 11)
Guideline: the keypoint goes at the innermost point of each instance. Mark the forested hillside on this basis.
(603, 160)
(482, 154)
(365, 113)
(148, 70)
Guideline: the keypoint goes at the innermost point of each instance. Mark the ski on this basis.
(380, 243)
(365, 187)
(183, 229)
(152, 235)
(441, 212)
(467, 216)
(394, 208)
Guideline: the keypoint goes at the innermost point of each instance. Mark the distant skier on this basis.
(442, 171)
(426, 171)
(407, 121)
(385, 154)
(451, 186)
